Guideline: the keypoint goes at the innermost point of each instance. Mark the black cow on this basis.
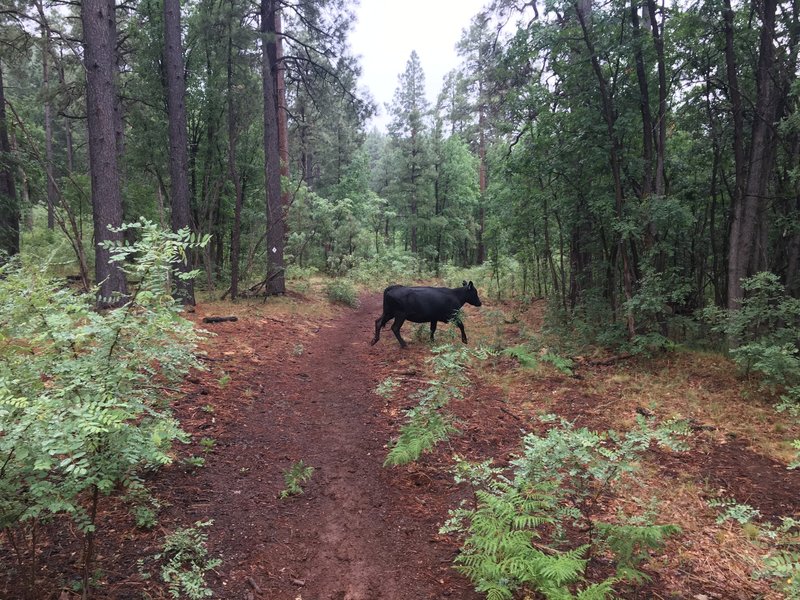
(423, 305)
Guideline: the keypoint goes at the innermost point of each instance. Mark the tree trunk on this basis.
(283, 111)
(100, 37)
(616, 169)
(178, 140)
(661, 119)
(48, 120)
(748, 212)
(67, 128)
(481, 248)
(647, 117)
(9, 209)
(233, 174)
(276, 283)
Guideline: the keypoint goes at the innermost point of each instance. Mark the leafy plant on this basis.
(559, 362)
(523, 356)
(186, 562)
(194, 462)
(341, 291)
(425, 428)
(387, 387)
(146, 517)
(144, 507)
(514, 538)
(632, 544)
(297, 474)
(82, 404)
(764, 334)
(783, 564)
(208, 443)
(426, 423)
(733, 511)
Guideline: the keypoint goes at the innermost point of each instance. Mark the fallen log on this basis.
(219, 319)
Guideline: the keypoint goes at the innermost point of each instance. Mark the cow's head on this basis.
(472, 294)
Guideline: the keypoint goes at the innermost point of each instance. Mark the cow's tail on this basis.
(386, 302)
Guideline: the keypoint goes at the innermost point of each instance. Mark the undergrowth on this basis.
(428, 423)
(83, 408)
(532, 528)
(185, 562)
(299, 473)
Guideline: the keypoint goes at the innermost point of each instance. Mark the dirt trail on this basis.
(360, 531)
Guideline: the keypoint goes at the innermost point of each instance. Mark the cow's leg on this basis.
(463, 333)
(398, 323)
(433, 329)
(379, 324)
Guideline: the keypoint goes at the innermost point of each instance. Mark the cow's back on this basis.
(420, 304)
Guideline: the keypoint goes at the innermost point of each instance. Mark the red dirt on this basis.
(283, 387)
(360, 531)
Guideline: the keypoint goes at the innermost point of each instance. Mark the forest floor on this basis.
(295, 378)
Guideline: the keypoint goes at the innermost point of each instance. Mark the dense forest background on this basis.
(633, 162)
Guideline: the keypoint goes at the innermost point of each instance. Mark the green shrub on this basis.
(514, 541)
(427, 423)
(341, 291)
(82, 405)
(185, 562)
(764, 334)
(297, 474)
(51, 247)
(522, 354)
(782, 564)
(500, 279)
(389, 267)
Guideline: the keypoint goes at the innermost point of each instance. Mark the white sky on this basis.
(387, 31)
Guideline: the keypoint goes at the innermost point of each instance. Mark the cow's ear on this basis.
(470, 286)
(464, 283)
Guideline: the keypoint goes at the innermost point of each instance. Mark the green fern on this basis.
(427, 423)
(559, 362)
(513, 536)
(425, 429)
(783, 564)
(499, 555)
(298, 473)
(633, 544)
(522, 356)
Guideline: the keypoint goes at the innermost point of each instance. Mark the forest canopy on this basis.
(633, 162)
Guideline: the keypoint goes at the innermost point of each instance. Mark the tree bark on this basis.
(100, 37)
(48, 119)
(661, 119)
(178, 141)
(9, 209)
(276, 226)
(609, 116)
(647, 117)
(748, 211)
(480, 254)
(233, 173)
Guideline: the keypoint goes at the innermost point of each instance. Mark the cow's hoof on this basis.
(373, 342)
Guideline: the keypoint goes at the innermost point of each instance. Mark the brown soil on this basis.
(303, 390)
(289, 384)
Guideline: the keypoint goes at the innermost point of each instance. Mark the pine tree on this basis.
(409, 132)
(102, 108)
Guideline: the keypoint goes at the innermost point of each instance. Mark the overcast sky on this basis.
(388, 30)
